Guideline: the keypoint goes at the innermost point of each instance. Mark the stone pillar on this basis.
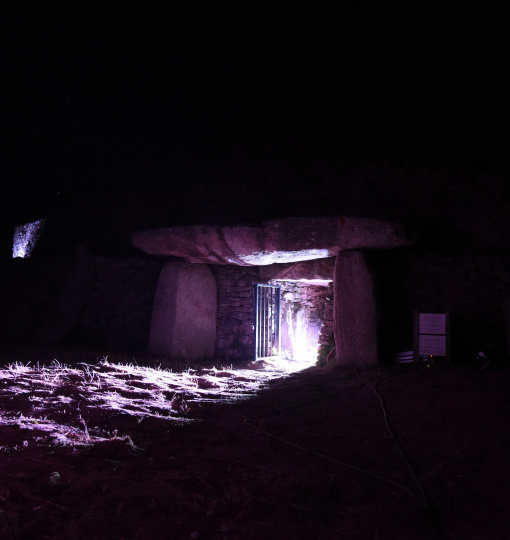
(355, 319)
(184, 314)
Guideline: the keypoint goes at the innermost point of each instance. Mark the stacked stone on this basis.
(236, 317)
(326, 335)
(119, 309)
(28, 287)
(312, 299)
(97, 302)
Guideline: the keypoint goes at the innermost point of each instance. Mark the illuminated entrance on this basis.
(292, 319)
(267, 321)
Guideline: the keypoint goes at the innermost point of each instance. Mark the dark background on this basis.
(116, 118)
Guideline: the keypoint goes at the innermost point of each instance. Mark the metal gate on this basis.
(267, 320)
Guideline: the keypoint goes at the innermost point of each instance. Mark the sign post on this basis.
(431, 335)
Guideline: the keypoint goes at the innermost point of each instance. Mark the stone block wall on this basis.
(310, 304)
(28, 288)
(235, 332)
(119, 309)
(236, 315)
(88, 301)
(326, 336)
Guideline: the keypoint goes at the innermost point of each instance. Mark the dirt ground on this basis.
(100, 451)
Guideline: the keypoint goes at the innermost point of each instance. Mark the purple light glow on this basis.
(56, 401)
(25, 237)
(302, 350)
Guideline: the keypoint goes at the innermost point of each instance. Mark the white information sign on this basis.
(431, 335)
(432, 344)
(432, 323)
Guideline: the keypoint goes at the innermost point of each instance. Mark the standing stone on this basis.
(184, 313)
(355, 319)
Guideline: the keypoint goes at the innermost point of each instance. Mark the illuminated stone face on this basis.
(302, 312)
(25, 238)
(278, 241)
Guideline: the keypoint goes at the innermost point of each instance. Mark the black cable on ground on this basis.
(250, 421)
(333, 460)
(434, 512)
(395, 440)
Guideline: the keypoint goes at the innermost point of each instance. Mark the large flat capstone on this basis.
(277, 241)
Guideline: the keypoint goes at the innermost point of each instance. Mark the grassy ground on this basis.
(111, 451)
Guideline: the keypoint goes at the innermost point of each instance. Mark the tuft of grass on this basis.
(322, 358)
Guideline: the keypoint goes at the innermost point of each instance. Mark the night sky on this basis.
(108, 101)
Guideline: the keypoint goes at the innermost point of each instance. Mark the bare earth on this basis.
(111, 451)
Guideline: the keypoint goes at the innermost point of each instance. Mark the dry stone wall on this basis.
(305, 305)
(87, 301)
(115, 308)
(28, 288)
(327, 334)
(236, 316)
(119, 309)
